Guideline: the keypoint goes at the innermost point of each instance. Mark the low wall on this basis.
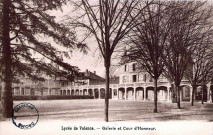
(52, 97)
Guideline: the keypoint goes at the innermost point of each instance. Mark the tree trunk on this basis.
(6, 95)
(173, 94)
(192, 96)
(107, 92)
(155, 95)
(177, 95)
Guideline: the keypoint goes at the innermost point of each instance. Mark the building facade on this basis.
(131, 84)
(138, 85)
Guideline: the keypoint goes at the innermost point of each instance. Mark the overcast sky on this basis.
(91, 61)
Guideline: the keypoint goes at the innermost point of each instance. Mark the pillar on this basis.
(112, 93)
(125, 94)
(19, 91)
(93, 93)
(49, 92)
(87, 92)
(118, 93)
(99, 93)
(168, 94)
(134, 94)
(144, 94)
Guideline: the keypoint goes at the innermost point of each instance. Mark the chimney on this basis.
(87, 72)
(94, 72)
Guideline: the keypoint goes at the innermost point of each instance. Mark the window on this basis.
(140, 77)
(50, 92)
(134, 67)
(115, 92)
(125, 68)
(144, 78)
(22, 91)
(125, 79)
(187, 92)
(134, 78)
(150, 79)
(32, 92)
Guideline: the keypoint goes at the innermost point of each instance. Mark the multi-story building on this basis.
(135, 83)
(131, 84)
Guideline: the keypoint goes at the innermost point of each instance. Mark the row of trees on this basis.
(175, 41)
(164, 37)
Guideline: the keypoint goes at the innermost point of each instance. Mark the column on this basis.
(99, 93)
(118, 93)
(125, 93)
(181, 94)
(195, 94)
(112, 93)
(49, 91)
(144, 94)
(48, 87)
(134, 93)
(93, 93)
(168, 94)
(19, 91)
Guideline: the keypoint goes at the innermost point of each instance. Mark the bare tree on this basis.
(208, 72)
(107, 21)
(201, 66)
(187, 19)
(147, 41)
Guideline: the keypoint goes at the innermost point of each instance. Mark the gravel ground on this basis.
(119, 110)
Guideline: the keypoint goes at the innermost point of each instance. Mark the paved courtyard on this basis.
(119, 110)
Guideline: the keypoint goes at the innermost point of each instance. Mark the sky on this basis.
(91, 61)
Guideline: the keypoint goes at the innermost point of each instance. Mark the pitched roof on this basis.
(90, 75)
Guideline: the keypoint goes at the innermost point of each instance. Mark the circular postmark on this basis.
(25, 116)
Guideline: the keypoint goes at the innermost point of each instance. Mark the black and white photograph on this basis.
(87, 67)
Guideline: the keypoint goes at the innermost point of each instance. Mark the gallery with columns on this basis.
(130, 84)
(139, 91)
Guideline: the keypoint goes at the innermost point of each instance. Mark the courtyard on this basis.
(57, 115)
(119, 110)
